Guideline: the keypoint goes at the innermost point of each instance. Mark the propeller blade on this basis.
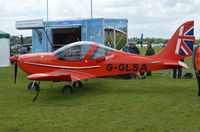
(16, 68)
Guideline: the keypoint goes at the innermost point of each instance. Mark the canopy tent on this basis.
(4, 49)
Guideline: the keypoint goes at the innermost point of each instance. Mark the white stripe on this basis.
(188, 31)
(155, 62)
(181, 31)
(63, 67)
(178, 46)
(184, 50)
(186, 44)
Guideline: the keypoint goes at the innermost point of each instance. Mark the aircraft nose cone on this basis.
(13, 58)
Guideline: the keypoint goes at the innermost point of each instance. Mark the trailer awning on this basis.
(4, 35)
(29, 24)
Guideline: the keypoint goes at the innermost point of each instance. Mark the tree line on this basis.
(153, 40)
(148, 40)
(20, 40)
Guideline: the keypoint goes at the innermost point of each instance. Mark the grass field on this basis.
(156, 103)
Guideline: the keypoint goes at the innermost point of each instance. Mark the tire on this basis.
(77, 84)
(33, 86)
(67, 89)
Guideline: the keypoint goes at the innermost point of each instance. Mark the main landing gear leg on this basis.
(77, 84)
(68, 88)
(34, 86)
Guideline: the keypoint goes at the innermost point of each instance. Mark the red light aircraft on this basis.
(83, 60)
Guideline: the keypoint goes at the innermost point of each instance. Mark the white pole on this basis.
(46, 23)
(92, 24)
(91, 9)
(47, 10)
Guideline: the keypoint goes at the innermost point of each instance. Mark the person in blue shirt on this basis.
(109, 44)
(129, 75)
(126, 49)
(23, 50)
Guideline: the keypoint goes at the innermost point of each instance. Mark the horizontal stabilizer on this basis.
(184, 65)
(176, 64)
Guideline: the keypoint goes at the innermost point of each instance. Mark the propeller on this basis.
(14, 59)
(16, 69)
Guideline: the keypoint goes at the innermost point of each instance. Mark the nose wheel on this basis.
(34, 86)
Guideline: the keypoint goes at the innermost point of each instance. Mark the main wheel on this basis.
(33, 86)
(67, 89)
(78, 84)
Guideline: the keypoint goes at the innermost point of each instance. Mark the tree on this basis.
(17, 40)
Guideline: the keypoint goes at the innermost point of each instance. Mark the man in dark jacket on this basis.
(134, 50)
(149, 51)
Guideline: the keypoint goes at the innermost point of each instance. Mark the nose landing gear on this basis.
(34, 86)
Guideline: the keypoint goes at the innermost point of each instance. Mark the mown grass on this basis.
(157, 103)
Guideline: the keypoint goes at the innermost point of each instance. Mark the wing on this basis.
(61, 75)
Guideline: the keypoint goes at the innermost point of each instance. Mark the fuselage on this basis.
(114, 63)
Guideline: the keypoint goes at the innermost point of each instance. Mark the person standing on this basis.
(179, 71)
(23, 50)
(129, 75)
(134, 50)
(109, 44)
(196, 65)
(126, 49)
(150, 51)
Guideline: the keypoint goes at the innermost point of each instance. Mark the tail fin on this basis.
(181, 43)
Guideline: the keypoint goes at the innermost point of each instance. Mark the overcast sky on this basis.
(154, 18)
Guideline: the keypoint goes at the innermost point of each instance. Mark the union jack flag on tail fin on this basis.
(181, 43)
